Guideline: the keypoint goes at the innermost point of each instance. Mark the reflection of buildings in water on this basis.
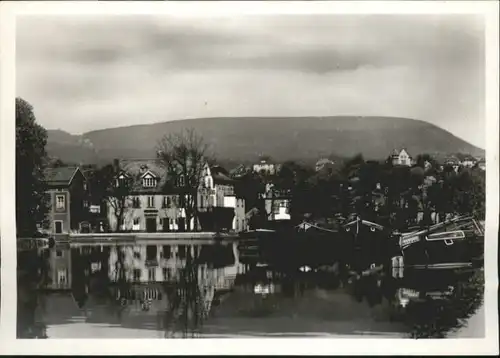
(162, 263)
(144, 301)
(60, 272)
(406, 295)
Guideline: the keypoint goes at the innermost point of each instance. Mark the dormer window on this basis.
(122, 180)
(148, 180)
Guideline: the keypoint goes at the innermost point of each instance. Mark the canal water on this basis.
(176, 289)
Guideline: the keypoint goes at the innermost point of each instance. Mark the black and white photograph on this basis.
(251, 175)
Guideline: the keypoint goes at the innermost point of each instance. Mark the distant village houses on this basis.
(469, 162)
(266, 167)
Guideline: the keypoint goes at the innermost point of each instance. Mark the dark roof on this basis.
(60, 175)
(136, 168)
(220, 175)
(451, 159)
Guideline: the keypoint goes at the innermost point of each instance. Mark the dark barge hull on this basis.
(457, 243)
(292, 249)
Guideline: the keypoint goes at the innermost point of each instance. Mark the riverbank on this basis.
(101, 238)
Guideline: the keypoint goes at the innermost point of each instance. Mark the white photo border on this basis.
(303, 346)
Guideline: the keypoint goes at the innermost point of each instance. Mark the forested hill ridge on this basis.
(244, 139)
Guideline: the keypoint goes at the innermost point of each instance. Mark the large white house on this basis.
(154, 204)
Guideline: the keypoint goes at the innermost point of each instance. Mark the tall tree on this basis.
(31, 158)
(106, 186)
(184, 156)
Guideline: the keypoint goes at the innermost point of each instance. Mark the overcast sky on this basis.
(87, 73)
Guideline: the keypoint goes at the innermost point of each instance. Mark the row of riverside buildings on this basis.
(149, 208)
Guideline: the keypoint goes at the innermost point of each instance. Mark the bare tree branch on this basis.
(184, 156)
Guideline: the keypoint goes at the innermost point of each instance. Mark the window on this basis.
(137, 224)
(121, 181)
(237, 224)
(58, 227)
(149, 182)
(167, 273)
(151, 201)
(61, 277)
(152, 274)
(137, 255)
(137, 274)
(151, 251)
(60, 202)
(182, 180)
(166, 202)
(181, 251)
(136, 202)
(59, 253)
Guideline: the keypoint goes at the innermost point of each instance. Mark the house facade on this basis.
(67, 198)
(276, 204)
(401, 157)
(155, 206)
(469, 162)
(266, 167)
(217, 192)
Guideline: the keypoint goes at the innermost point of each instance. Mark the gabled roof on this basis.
(397, 152)
(148, 172)
(220, 175)
(60, 176)
(137, 168)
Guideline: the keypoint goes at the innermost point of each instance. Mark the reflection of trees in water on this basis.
(186, 306)
(186, 303)
(435, 318)
(431, 312)
(32, 274)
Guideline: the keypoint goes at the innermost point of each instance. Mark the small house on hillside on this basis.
(481, 164)
(453, 162)
(469, 161)
(265, 166)
(324, 163)
(401, 158)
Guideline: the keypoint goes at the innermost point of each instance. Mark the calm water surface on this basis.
(176, 289)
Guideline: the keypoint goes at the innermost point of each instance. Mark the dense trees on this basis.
(392, 195)
(31, 158)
